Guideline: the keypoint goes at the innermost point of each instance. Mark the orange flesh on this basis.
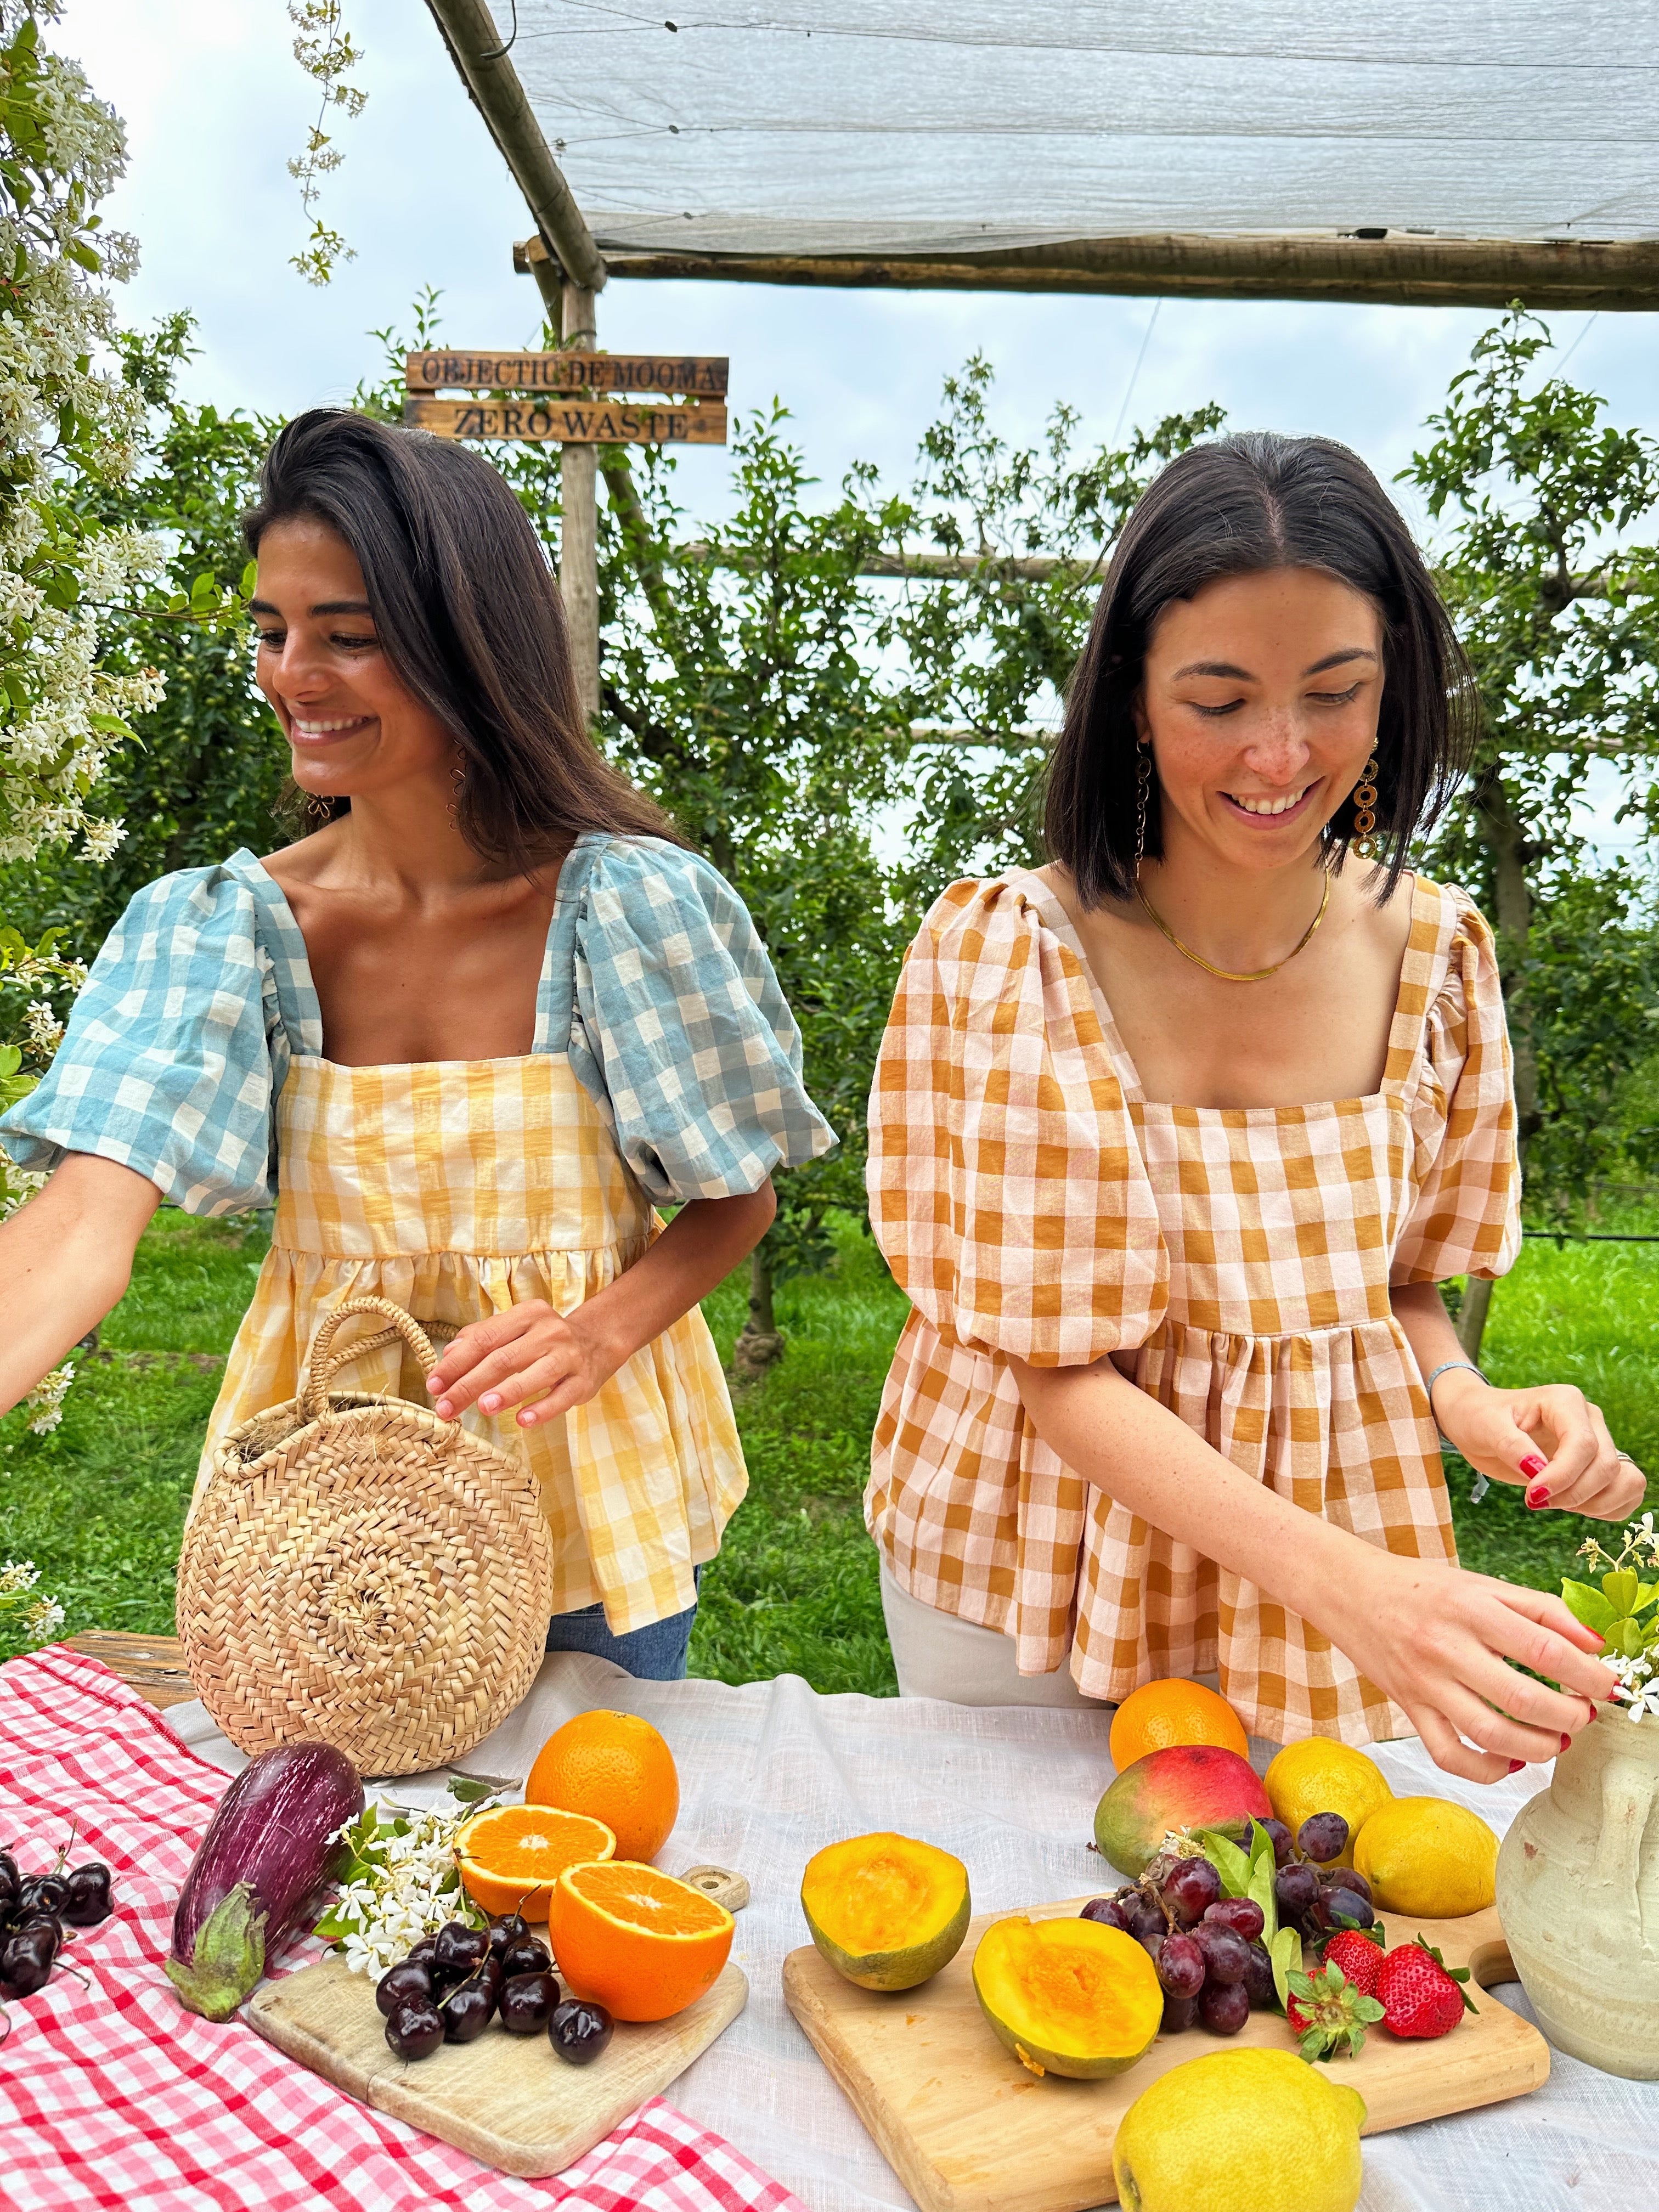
(532, 1843)
(868, 1901)
(639, 1897)
(1067, 1992)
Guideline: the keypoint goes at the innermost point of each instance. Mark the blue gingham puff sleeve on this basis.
(678, 1031)
(166, 1067)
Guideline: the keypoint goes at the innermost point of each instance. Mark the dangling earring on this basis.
(1143, 792)
(1364, 810)
(319, 808)
(457, 779)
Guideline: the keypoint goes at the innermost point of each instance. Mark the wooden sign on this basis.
(699, 379)
(569, 421)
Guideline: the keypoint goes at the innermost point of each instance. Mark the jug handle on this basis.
(1627, 1792)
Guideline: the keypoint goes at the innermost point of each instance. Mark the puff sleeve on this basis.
(679, 1032)
(1006, 1188)
(1466, 1215)
(167, 1066)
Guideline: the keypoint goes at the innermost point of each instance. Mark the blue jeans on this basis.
(656, 1654)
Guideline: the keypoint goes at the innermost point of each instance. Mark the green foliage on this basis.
(1552, 572)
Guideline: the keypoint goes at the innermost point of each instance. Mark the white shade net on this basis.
(874, 127)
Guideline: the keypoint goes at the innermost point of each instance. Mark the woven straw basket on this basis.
(359, 1571)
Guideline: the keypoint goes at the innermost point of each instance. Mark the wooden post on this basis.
(579, 531)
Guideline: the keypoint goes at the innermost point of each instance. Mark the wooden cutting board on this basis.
(509, 2100)
(968, 2128)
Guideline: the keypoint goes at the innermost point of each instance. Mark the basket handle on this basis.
(440, 1332)
(313, 1393)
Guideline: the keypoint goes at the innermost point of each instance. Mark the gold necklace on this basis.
(1227, 976)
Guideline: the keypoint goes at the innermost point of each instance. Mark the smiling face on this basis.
(1260, 697)
(354, 726)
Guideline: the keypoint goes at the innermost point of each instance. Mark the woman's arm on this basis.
(545, 1362)
(1550, 1438)
(1434, 1638)
(65, 1259)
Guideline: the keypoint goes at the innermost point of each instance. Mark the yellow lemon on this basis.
(1241, 2131)
(1320, 1775)
(1428, 1856)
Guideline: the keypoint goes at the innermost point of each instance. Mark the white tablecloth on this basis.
(771, 1772)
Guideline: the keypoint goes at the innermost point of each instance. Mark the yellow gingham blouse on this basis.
(1034, 1204)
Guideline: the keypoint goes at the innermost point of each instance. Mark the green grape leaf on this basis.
(1229, 1862)
(1621, 1589)
(1285, 1952)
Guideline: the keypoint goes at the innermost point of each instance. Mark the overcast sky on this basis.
(215, 106)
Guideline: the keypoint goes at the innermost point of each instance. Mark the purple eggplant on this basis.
(265, 1856)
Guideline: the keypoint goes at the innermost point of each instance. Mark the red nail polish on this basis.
(1533, 1465)
(1565, 1740)
(1515, 1765)
(1537, 1495)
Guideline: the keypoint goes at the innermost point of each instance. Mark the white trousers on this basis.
(937, 1656)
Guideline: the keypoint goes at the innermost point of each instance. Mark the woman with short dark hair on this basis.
(1173, 1140)
(461, 1034)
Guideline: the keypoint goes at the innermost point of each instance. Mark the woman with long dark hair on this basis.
(461, 1034)
(1173, 1140)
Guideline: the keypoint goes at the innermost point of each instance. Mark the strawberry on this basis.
(1328, 2014)
(1417, 1995)
(1358, 1951)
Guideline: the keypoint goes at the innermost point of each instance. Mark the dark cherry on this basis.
(1179, 2014)
(467, 2012)
(527, 2002)
(526, 1956)
(1107, 1910)
(1181, 1967)
(10, 1885)
(423, 1949)
(1283, 1841)
(579, 2031)
(9, 1872)
(45, 1927)
(510, 1927)
(1226, 1956)
(1191, 1889)
(88, 1900)
(26, 1963)
(415, 2031)
(458, 1952)
(1259, 1979)
(408, 1983)
(1224, 2007)
(1241, 1914)
(44, 1892)
(1295, 1888)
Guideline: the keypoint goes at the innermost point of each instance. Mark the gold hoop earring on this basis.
(1143, 792)
(1364, 810)
(458, 781)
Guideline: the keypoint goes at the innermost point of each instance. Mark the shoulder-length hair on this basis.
(1231, 507)
(469, 615)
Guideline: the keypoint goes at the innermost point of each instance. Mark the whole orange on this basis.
(616, 1768)
(1160, 1714)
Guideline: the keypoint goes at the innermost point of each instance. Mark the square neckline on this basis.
(271, 892)
(1059, 922)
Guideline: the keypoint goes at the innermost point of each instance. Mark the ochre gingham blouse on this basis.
(1034, 1204)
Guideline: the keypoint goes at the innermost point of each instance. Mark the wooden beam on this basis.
(481, 55)
(569, 422)
(579, 521)
(1393, 267)
(152, 1665)
(698, 376)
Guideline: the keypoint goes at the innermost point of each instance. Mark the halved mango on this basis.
(1069, 1997)
(885, 1911)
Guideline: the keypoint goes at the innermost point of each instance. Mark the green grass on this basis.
(99, 1505)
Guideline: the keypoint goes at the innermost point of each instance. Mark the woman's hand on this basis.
(1436, 1638)
(1551, 1438)
(532, 1356)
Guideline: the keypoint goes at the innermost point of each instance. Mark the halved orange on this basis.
(635, 1940)
(511, 1857)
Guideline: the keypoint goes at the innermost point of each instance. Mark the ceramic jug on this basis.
(1578, 1896)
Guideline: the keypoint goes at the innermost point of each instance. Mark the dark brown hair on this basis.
(468, 614)
(1232, 508)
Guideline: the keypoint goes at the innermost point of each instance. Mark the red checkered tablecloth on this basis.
(111, 2094)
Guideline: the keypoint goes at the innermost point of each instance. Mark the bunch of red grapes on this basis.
(1210, 1960)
